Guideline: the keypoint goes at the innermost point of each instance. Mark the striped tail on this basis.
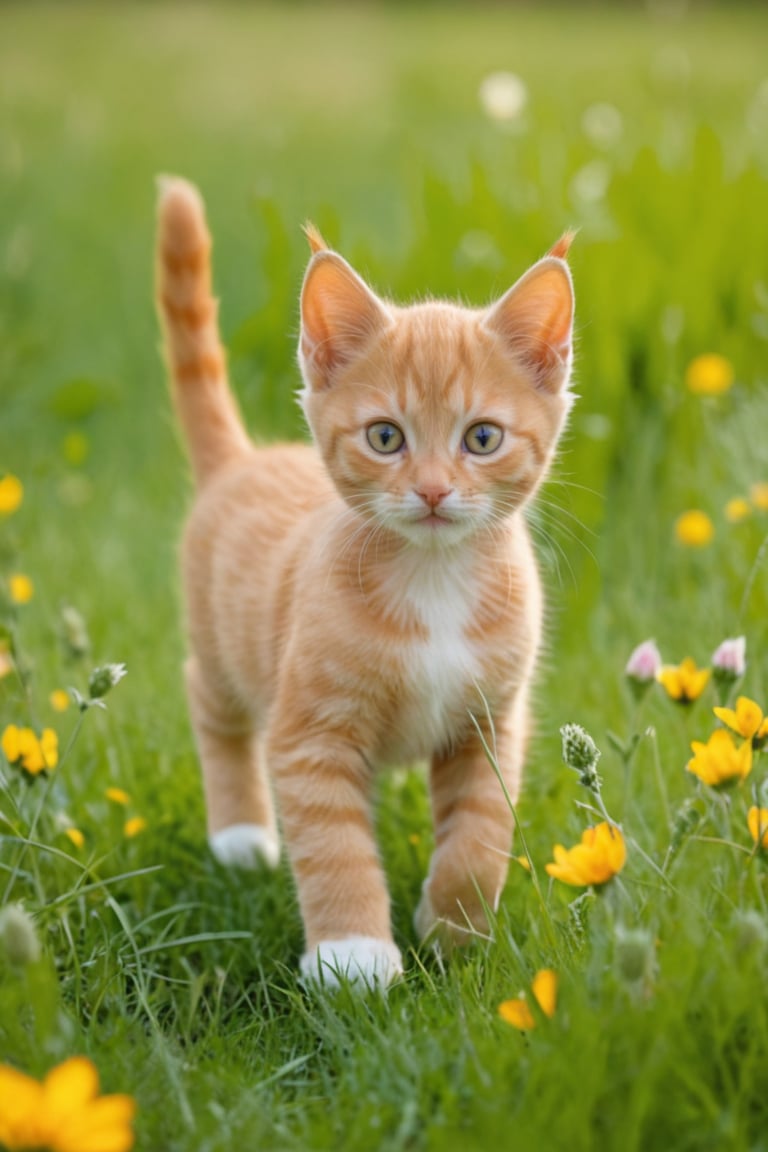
(188, 313)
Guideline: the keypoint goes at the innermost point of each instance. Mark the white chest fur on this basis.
(441, 664)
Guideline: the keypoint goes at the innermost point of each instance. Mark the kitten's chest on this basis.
(442, 664)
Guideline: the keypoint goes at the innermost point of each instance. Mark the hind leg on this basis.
(242, 830)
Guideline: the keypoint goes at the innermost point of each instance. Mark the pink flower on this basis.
(644, 663)
(730, 658)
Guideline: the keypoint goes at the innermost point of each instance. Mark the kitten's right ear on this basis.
(535, 320)
(339, 314)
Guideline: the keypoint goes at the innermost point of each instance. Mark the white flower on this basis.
(503, 96)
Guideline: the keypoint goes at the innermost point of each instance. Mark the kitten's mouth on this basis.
(434, 520)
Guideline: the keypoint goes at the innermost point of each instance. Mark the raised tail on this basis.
(189, 317)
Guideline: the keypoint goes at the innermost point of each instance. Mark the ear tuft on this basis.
(339, 315)
(535, 321)
(315, 239)
(561, 249)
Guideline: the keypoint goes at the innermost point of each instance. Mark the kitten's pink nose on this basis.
(433, 494)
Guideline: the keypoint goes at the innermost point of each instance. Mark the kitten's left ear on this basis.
(535, 320)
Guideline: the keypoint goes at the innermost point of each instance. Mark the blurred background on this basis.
(442, 148)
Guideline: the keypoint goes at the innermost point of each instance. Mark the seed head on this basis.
(18, 938)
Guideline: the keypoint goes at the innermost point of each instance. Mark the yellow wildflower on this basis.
(597, 859)
(683, 682)
(76, 836)
(757, 822)
(709, 375)
(34, 753)
(6, 663)
(117, 796)
(694, 529)
(20, 588)
(758, 494)
(11, 494)
(59, 700)
(544, 989)
(719, 762)
(134, 826)
(737, 509)
(747, 720)
(524, 862)
(64, 1112)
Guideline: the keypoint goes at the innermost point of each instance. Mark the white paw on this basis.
(363, 960)
(245, 846)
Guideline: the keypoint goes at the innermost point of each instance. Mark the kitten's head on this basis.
(435, 421)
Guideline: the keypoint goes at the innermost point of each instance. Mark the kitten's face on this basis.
(435, 421)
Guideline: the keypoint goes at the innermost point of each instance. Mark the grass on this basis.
(177, 978)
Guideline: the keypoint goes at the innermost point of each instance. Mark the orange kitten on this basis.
(348, 602)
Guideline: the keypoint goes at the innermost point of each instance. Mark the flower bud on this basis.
(74, 634)
(18, 939)
(581, 754)
(729, 661)
(102, 680)
(635, 954)
(684, 825)
(644, 663)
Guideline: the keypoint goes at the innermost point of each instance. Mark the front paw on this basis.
(248, 846)
(364, 961)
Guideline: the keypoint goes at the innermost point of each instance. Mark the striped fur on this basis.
(348, 608)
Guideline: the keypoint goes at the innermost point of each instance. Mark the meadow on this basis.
(121, 940)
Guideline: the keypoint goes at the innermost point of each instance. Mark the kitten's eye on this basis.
(385, 437)
(482, 439)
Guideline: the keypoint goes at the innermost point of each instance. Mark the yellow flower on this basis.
(134, 826)
(757, 822)
(709, 375)
(544, 989)
(737, 509)
(64, 1113)
(76, 836)
(34, 753)
(694, 529)
(683, 682)
(117, 796)
(6, 663)
(524, 862)
(719, 762)
(21, 588)
(59, 700)
(597, 859)
(11, 494)
(747, 720)
(758, 494)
